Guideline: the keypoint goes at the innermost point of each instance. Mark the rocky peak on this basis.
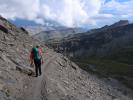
(120, 23)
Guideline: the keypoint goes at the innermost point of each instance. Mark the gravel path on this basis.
(37, 89)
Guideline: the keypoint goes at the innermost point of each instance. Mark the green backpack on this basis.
(36, 54)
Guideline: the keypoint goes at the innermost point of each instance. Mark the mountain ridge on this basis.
(57, 33)
(110, 49)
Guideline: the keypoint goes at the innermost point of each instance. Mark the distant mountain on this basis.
(34, 28)
(57, 33)
(100, 42)
(120, 23)
(22, 22)
(26, 23)
(117, 24)
(38, 29)
(107, 51)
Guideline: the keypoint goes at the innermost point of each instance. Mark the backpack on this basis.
(36, 53)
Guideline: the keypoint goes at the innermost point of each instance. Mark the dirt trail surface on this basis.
(36, 87)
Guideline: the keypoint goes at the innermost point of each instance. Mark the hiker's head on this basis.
(37, 46)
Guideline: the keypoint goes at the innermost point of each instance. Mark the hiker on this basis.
(36, 57)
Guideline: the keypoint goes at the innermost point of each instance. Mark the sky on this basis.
(70, 13)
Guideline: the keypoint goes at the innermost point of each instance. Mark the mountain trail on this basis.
(36, 89)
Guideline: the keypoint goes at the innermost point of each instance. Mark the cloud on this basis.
(120, 10)
(71, 13)
(67, 12)
(112, 11)
(13, 9)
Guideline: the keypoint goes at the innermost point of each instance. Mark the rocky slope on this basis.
(61, 78)
(15, 45)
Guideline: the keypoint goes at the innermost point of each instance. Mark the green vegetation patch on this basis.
(108, 68)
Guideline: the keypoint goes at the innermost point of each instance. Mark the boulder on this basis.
(2, 28)
(26, 70)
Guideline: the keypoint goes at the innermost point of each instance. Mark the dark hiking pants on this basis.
(37, 63)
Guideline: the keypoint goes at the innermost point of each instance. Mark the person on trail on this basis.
(36, 57)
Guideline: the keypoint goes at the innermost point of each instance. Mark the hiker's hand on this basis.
(42, 62)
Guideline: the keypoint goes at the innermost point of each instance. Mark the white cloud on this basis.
(119, 9)
(12, 9)
(113, 11)
(68, 12)
(39, 21)
(103, 16)
(71, 12)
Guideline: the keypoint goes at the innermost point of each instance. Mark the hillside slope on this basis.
(15, 45)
